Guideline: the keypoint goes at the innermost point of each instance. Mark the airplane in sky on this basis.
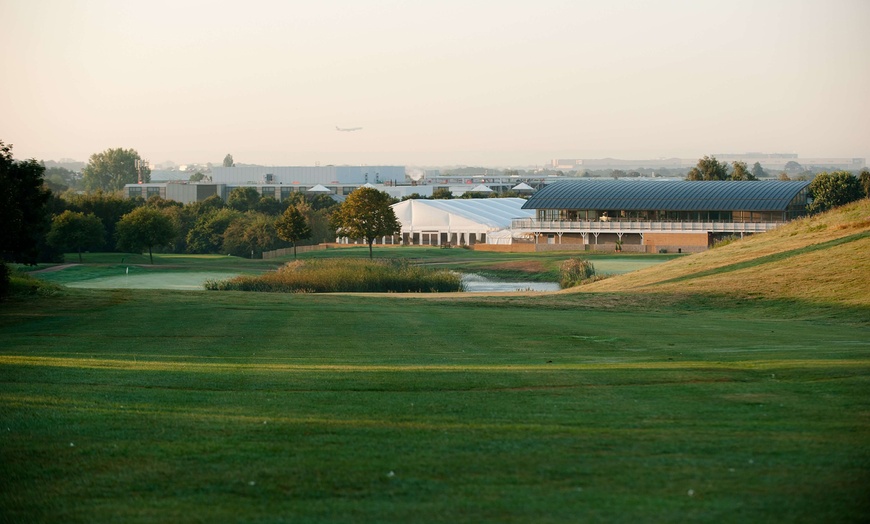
(347, 128)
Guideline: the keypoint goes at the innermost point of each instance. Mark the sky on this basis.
(434, 83)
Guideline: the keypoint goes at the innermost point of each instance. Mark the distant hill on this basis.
(823, 259)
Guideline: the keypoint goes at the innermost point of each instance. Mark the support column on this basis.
(560, 237)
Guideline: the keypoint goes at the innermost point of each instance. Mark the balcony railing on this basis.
(637, 226)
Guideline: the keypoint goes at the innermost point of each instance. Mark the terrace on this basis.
(532, 225)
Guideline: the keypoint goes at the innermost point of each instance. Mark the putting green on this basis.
(158, 280)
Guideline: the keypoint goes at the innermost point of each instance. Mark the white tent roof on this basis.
(319, 189)
(464, 215)
(480, 188)
(522, 186)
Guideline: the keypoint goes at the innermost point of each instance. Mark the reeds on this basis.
(575, 271)
(345, 275)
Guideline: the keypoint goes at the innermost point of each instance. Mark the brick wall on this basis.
(676, 242)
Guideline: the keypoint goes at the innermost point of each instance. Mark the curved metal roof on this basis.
(667, 195)
(494, 213)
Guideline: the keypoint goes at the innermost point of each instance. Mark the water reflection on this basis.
(474, 282)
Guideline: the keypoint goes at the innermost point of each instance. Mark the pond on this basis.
(477, 283)
(193, 280)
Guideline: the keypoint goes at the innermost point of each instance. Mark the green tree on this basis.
(113, 168)
(292, 226)
(793, 167)
(108, 207)
(158, 202)
(830, 190)
(414, 196)
(209, 205)
(197, 177)
(207, 233)
(758, 171)
(62, 178)
(23, 213)
(319, 202)
(76, 231)
(741, 172)
(250, 235)
(182, 219)
(783, 177)
(269, 206)
(142, 228)
(708, 168)
(366, 214)
(441, 193)
(243, 198)
(228, 161)
(865, 182)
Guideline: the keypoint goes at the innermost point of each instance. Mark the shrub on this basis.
(4, 279)
(15, 283)
(575, 271)
(345, 275)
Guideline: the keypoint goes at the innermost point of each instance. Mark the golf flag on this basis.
(128, 270)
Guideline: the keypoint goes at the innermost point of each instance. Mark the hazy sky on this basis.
(443, 82)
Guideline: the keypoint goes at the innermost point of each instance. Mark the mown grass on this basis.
(666, 405)
(148, 406)
(98, 266)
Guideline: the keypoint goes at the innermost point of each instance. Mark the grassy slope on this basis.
(148, 406)
(822, 259)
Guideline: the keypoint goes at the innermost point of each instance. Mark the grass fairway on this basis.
(154, 406)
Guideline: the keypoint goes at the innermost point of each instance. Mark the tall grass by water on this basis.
(345, 275)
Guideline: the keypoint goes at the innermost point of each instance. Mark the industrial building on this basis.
(339, 181)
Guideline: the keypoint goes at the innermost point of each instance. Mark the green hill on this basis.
(823, 259)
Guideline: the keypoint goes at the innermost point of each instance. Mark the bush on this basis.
(575, 271)
(16, 284)
(4, 279)
(345, 275)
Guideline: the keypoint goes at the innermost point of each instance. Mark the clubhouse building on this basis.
(655, 216)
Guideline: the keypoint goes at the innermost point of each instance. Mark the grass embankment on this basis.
(148, 406)
(345, 275)
(816, 260)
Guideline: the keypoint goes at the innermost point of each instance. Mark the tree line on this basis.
(826, 191)
(41, 224)
(246, 225)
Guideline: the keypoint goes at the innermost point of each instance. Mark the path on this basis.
(58, 267)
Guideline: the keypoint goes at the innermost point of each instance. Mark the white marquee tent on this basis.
(458, 221)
